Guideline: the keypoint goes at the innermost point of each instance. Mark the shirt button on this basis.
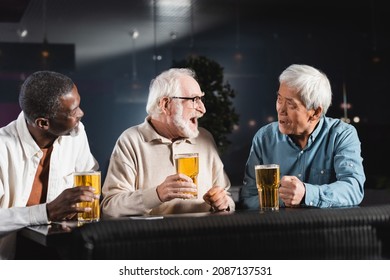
(322, 172)
(299, 175)
(311, 203)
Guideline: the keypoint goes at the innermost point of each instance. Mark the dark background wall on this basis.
(253, 44)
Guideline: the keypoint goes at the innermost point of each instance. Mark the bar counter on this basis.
(290, 233)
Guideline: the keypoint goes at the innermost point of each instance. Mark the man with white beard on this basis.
(141, 177)
(39, 151)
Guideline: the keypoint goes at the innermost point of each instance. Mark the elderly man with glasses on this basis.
(142, 178)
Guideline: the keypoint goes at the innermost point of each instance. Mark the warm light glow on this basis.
(347, 120)
(270, 119)
(376, 59)
(238, 56)
(45, 53)
(252, 123)
(343, 105)
(356, 119)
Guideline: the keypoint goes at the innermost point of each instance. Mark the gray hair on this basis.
(40, 94)
(166, 84)
(312, 85)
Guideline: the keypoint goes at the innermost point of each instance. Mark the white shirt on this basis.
(19, 160)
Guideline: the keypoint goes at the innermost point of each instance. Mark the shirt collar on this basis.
(150, 135)
(28, 143)
(316, 131)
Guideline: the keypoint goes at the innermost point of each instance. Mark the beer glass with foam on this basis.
(188, 164)
(93, 179)
(267, 181)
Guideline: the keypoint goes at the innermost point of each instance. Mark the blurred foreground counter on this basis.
(290, 233)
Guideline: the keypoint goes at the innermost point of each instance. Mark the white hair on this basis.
(165, 84)
(312, 85)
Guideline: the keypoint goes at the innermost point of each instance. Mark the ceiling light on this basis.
(22, 32)
(134, 33)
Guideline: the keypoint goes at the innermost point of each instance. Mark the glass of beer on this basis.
(93, 179)
(188, 164)
(267, 181)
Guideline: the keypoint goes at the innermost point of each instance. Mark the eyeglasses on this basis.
(194, 99)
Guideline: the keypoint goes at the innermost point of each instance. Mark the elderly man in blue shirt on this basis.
(319, 157)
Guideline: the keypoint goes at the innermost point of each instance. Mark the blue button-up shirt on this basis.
(330, 166)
